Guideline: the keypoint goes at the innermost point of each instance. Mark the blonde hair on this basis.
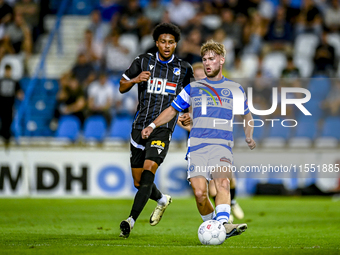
(216, 47)
(197, 65)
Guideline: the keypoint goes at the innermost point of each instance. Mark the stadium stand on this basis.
(64, 48)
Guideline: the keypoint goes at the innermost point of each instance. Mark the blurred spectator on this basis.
(237, 72)
(199, 73)
(6, 13)
(331, 105)
(232, 28)
(70, 100)
(30, 12)
(309, 19)
(100, 97)
(221, 37)
(332, 16)
(290, 71)
(98, 28)
(116, 57)
(83, 71)
(9, 89)
(132, 19)
(279, 35)
(92, 50)
(324, 57)
(154, 11)
(180, 12)
(18, 35)
(108, 9)
(253, 34)
(190, 49)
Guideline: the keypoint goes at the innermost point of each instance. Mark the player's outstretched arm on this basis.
(166, 115)
(248, 131)
(126, 85)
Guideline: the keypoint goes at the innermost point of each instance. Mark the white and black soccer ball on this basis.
(211, 232)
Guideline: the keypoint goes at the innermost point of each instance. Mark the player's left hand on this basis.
(185, 119)
(146, 132)
(251, 143)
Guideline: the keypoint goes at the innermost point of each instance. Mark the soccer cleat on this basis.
(234, 229)
(157, 214)
(237, 211)
(125, 227)
(231, 219)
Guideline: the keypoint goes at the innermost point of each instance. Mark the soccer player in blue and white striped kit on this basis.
(211, 140)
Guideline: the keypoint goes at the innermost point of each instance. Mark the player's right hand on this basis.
(146, 132)
(143, 76)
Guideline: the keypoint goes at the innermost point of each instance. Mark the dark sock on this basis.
(232, 194)
(143, 193)
(155, 193)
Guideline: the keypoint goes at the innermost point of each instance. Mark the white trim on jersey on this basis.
(177, 105)
(125, 77)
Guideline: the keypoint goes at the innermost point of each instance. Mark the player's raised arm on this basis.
(125, 85)
(167, 115)
(248, 130)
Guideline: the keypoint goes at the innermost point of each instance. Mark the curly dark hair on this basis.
(166, 28)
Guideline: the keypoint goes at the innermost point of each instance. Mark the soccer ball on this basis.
(211, 232)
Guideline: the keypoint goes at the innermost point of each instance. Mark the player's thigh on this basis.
(137, 149)
(220, 161)
(157, 146)
(197, 164)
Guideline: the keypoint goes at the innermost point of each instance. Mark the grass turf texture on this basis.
(277, 225)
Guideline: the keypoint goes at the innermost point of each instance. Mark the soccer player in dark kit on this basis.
(160, 78)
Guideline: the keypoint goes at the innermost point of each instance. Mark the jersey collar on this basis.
(214, 82)
(165, 62)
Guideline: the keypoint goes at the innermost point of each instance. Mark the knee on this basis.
(223, 184)
(200, 194)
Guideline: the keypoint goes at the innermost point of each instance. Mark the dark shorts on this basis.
(154, 148)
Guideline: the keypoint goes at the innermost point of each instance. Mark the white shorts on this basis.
(203, 162)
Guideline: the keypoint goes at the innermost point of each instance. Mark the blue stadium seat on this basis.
(306, 128)
(313, 106)
(69, 127)
(95, 128)
(179, 134)
(121, 128)
(279, 131)
(81, 7)
(331, 127)
(319, 88)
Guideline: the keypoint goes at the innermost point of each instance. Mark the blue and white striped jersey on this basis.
(211, 124)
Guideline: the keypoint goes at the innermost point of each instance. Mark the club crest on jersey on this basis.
(161, 86)
(225, 92)
(177, 71)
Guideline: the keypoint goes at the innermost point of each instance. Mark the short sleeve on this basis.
(189, 76)
(182, 101)
(134, 70)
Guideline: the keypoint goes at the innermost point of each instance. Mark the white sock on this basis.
(223, 213)
(132, 221)
(209, 216)
(162, 201)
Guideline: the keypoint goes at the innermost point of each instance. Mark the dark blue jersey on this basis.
(167, 79)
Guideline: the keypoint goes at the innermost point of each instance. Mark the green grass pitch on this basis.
(276, 225)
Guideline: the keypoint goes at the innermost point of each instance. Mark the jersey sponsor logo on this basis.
(151, 66)
(177, 71)
(161, 86)
(224, 159)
